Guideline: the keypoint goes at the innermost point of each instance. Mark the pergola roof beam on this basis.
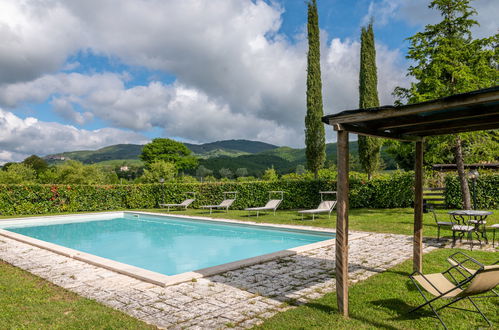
(473, 99)
(375, 133)
(469, 114)
(460, 129)
(450, 125)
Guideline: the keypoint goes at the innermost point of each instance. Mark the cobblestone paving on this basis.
(240, 298)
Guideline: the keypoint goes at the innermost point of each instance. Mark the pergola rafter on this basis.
(473, 111)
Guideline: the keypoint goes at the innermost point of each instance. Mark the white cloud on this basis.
(66, 84)
(382, 11)
(36, 37)
(416, 12)
(236, 76)
(20, 138)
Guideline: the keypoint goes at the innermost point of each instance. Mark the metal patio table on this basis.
(472, 217)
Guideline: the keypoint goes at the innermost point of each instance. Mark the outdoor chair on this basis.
(494, 227)
(324, 207)
(225, 204)
(183, 205)
(272, 204)
(457, 283)
(445, 224)
(462, 229)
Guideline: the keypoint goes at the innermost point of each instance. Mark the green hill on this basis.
(255, 156)
(283, 159)
(228, 148)
(115, 152)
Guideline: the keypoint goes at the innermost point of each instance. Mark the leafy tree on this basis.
(18, 173)
(300, 169)
(6, 165)
(315, 139)
(210, 178)
(36, 163)
(159, 170)
(246, 178)
(293, 176)
(270, 175)
(369, 147)
(187, 179)
(74, 172)
(225, 173)
(133, 172)
(202, 172)
(169, 151)
(242, 171)
(447, 61)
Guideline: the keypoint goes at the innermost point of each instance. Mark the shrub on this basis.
(381, 192)
(487, 194)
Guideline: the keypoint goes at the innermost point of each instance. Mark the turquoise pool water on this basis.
(169, 245)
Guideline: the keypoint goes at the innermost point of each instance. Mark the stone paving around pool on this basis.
(235, 299)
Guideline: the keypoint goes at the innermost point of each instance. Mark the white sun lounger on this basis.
(272, 204)
(225, 204)
(184, 204)
(324, 207)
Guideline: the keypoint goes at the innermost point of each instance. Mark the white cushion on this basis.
(462, 228)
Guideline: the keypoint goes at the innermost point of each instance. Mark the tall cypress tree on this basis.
(369, 147)
(314, 128)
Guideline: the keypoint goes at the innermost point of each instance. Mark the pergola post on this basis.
(342, 224)
(418, 208)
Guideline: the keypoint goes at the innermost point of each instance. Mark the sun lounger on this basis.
(183, 205)
(225, 204)
(272, 204)
(446, 286)
(324, 207)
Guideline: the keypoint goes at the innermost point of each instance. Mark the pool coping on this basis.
(167, 280)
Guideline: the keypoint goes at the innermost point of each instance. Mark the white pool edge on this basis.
(154, 277)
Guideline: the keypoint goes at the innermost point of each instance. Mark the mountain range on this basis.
(255, 156)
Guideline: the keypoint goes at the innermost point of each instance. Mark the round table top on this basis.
(470, 212)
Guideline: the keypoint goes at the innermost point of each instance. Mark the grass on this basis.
(383, 300)
(380, 302)
(396, 221)
(29, 302)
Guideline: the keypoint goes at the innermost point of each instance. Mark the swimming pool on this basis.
(164, 244)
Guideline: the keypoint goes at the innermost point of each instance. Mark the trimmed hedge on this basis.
(486, 192)
(386, 192)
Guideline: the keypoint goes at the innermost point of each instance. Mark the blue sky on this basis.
(86, 74)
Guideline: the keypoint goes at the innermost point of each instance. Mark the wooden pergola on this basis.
(473, 111)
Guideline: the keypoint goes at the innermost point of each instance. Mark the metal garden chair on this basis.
(457, 283)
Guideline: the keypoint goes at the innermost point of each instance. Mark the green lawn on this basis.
(397, 221)
(29, 302)
(383, 301)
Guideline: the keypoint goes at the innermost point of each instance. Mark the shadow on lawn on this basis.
(353, 315)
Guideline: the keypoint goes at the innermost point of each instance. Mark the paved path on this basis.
(240, 298)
